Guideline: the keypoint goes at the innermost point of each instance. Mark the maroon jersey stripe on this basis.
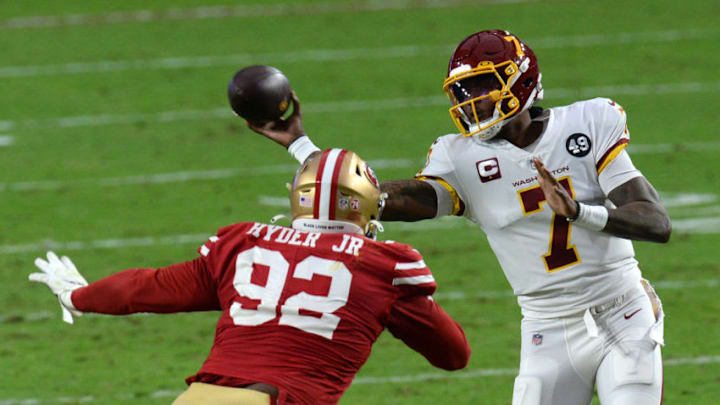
(604, 157)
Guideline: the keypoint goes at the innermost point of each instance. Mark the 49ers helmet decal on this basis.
(508, 71)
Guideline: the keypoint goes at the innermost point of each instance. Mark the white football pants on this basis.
(614, 345)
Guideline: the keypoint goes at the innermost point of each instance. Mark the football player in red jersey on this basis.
(589, 318)
(301, 305)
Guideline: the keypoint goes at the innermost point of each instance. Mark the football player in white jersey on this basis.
(559, 200)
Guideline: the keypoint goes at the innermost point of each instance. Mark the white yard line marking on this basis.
(270, 201)
(6, 126)
(489, 372)
(161, 178)
(634, 90)
(679, 285)
(686, 199)
(380, 104)
(103, 243)
(319, 55)
(6, 140)
(672, 147)
(692, 360)
(216, 174)
(244, 11)
(705, 225)
(369, 380)
(713, 210)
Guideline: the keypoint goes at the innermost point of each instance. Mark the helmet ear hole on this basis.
(357, 170)
(527, 83)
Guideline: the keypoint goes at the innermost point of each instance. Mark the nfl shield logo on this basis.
(306, 201)
(537, 339)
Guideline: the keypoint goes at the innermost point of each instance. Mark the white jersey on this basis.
(554, 267)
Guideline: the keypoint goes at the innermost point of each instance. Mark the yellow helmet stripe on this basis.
(512, 38)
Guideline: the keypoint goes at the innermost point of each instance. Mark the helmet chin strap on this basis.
(372, 228)
(278, 217)
(489, 132)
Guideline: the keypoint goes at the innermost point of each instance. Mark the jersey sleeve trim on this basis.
(458, 204)
(420, 264)
(611, 154)
(416, 280)
(204, 250)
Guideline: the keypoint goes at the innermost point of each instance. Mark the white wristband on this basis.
(66, 301)
(301, 148)
(592, 217)
(68, 309)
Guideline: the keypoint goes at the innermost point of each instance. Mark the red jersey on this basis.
(300, 310)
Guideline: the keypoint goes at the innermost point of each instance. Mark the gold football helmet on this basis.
(337, 192)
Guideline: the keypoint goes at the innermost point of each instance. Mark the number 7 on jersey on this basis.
(561, 253)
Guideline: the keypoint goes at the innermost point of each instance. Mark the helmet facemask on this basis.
(468, 86)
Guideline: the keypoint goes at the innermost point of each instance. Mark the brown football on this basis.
(259, 93)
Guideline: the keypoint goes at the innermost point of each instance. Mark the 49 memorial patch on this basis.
(578, 145)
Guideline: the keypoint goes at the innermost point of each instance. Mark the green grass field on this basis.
(118, 149)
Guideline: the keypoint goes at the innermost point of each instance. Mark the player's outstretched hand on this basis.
(62, 277)
(557, 197)
(283, 131)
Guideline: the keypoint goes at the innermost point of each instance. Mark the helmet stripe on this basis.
(324, 184)
(334, 184)
(318, 184)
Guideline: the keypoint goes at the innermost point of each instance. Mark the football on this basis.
(259, 93)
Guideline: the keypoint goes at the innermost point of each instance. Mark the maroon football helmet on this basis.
(491, 64)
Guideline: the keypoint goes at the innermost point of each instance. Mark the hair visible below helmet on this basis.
(501, 57)
(336, 192)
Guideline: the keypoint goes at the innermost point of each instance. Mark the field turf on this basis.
(117, 148)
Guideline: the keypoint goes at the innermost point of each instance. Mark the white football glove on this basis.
(62, 277)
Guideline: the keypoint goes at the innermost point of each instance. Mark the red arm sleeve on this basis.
(426, 328)
(181, 287)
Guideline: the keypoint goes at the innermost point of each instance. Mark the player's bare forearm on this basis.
(408, 200)
(639, 214)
